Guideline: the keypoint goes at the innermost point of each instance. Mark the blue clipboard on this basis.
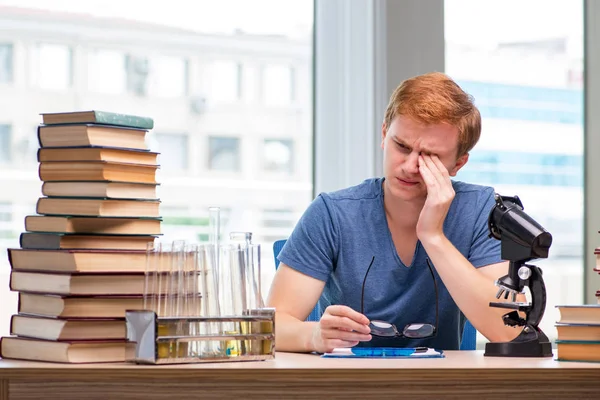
(385, 352)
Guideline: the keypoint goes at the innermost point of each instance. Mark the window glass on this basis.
(224, 79)
(52, 67)
(173, 149)
(224, 153)
(106, 71)
(168, 76)
(6, 63)
(278, 85)
(527, 83)
(188, 66)
(138, 68)
(5, 143)
(278, 156)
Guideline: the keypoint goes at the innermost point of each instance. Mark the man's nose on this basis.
(412, 163)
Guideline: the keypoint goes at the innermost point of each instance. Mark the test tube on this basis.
(177, 289)
(214, 225)
(150, 277)
(256, 273)
(163, 256)
(251, 272)
(192, 276)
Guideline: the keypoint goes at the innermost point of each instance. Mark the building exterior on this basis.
(233, 118)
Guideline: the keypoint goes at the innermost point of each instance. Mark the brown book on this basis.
(84, 307)
(579, 314)
(77, 261)
(577, 350)
(58, 241)
(63, 352)
(67, 329)
(97, 207)
(108, 154)
(103, 189)
(98, 225)
(597, 253)
(96, 171)
(578, 331)
(75, 284)
(98, 117)
(78, 135)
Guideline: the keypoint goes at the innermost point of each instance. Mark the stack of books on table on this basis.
(578, 330)
(578, 333)
(82, 257)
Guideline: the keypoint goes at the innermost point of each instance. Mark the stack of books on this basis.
(82, 257)
(578, 329)
(578, 333)
(597, 270)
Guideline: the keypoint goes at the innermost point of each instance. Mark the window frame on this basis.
(363, 49)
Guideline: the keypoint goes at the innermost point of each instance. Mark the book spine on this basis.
(103, 117)
(37, 206)
(10, 282)
(1, 347)
(10, 260)
(39, 137)
(18, 302)
(12, 318)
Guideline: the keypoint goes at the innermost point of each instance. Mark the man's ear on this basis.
(383, 133)
(462, 160)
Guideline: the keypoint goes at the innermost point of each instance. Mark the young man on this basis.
(393, 226)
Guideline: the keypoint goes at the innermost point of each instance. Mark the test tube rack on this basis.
(183, 340)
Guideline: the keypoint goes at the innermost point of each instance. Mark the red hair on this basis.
(435, 98)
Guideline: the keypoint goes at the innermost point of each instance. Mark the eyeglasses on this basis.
(411, 331)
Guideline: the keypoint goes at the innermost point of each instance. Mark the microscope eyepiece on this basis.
(508, 221)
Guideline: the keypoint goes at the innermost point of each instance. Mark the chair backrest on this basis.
(469, 337)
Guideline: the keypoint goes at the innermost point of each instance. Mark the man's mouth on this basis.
(407, 182)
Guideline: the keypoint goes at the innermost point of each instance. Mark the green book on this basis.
(98, 117)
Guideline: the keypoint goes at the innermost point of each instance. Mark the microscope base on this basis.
(532, 348)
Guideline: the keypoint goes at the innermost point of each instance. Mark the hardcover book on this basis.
(96, 171)
(59, 241)
(129, 156)
(98, 117)
(61, 329)
(91, 135)
(81, 307)
(97, 207)
(579, 314)
(77, 284)
(64, 352)
(93, 225)
(80, 261)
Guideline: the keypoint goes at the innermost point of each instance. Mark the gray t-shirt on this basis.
(339, 234)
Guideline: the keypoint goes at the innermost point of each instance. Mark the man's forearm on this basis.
(471, 290)
(292, 334)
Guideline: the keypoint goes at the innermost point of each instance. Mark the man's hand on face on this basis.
(440, 194)
(340, 326)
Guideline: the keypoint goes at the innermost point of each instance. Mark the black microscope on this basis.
(523, 239)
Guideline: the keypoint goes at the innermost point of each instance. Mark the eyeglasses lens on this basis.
(418, 330)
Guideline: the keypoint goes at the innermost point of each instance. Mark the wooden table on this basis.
(464, 374)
